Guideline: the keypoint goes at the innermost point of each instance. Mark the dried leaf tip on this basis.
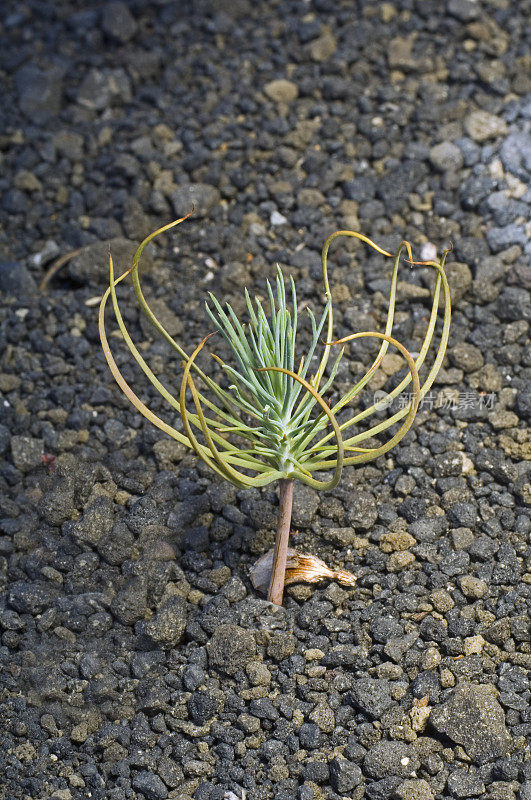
(300, 568)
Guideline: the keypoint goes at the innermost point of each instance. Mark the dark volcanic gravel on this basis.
(136, 661)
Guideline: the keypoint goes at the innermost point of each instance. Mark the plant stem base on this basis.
(276, 587)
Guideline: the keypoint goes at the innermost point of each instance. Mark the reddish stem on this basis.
(280, 556)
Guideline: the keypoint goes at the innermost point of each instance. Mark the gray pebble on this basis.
(515, 154)
(473, 718)
(149, 785)
(390, 758)
(231, 648)
(446, 156)
(26, 452)
(503, 238)
(372, 696)
(16, 280)
(463, 784)
(201, 197)
(167, 627)
(118, 22)
(344, 776)
(130, 603)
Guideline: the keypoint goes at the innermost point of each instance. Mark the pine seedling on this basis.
(268, 420)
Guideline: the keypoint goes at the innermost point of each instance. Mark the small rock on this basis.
(167, 627)
(26, 181)
(397, 646)
(201, 197)
(101, 88)
(395, 186)
(362, 511)
(258, 673)
(92, 264)
(57, 503)
(391, 363)
(514, 304)
(473, 718)
(130, 604)
(118, 22)
(79, 733)
(16, 279)
(15, 202)
(150, 785)
(171, 773)
(234, 275)
(50, 251)
(277, 218)
(281, 645)
(502, 238)
(40, 91)
(372, 696)
(446, 156)
(459, 278)
(324, 47)
(504, 210)
(169, 320)
(323, 716)
(473, 645)
(96, 522)
(503, 419)
(361, 189)
(311, 197)
(61, 794)
(442, 600)
(26, 452)
(481, 126)
(281, 91)
(464, 10)
(168, 452)
(431, 658)
(525, 791)
(5, 438)
(305, 505)
(462, 784)
(344, 537)
(486, 379)
(474, 588)
(344, 775)
(309, 736)
(515, 154)
(68, 144)
(31, 598)
(390, 758)
(202, 707)
(400, 560)
(428, 252)
(413, 789)
(231, 648)
(117, 546)
(396, 540)
(476, 189)
(382, 790)
(466, 356)
(400, 53)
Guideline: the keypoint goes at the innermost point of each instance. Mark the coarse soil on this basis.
(136, 659)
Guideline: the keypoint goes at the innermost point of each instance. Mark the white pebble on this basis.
(277, 218)
(428, 252)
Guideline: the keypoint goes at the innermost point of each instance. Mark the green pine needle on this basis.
(289, 429)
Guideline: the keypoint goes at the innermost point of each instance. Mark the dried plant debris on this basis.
(300, 568)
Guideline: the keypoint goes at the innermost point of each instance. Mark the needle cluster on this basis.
(272, 421)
